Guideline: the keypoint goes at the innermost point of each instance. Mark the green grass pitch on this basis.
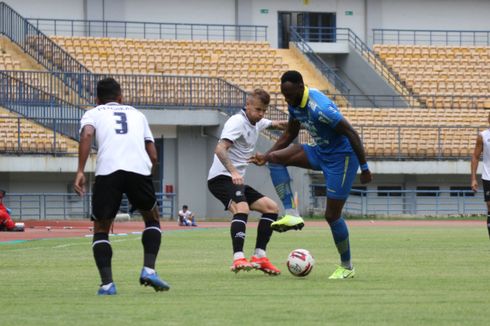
(405, 276)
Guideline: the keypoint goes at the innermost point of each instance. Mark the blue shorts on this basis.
(339, 170)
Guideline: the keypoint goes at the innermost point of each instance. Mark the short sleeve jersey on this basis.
(187, 215)
(486, 154)
(319, 117)
(244, 136)
(121, 132)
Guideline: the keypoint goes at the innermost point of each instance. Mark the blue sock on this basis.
(282, 183)
(340, 234)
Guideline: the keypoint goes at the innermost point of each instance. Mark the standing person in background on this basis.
(126, 154)
(226, 181)
(482, 146)
(338, 152)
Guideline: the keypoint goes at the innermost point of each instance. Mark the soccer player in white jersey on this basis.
(125, 157)
(482, 145)
(226, 181)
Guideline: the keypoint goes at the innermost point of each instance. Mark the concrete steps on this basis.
(311, 76)
(26, 61)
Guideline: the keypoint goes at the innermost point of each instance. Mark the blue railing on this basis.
(40, 47)
(35, 43)
(431, 37)
(38, 105)
(141, 91)
(83, 82)
(45, 206)
(328, 34)
(404, 202)
(150, 30)
(321, 65)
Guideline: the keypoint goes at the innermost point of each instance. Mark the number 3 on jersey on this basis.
(123, 121)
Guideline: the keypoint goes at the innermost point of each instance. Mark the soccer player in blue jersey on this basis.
(338, 152)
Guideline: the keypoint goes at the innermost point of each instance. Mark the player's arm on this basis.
(221, 152)
(152, 151)
(279, 124)
(475, 158)
(343, 127)
(287, 137)
(86, 137)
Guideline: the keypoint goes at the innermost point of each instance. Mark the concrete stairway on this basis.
(311, 76)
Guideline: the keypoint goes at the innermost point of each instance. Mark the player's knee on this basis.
(241, 207)
(271, 206)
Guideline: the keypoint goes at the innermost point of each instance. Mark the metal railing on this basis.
(40, 47)
(35, 43)
(330, 34)
(141, 91)
(79, 79)
(45, 206)
(19, 136)
(150, 30)
(404, 202)
(40, 106)
(431, 37)
(320, 64)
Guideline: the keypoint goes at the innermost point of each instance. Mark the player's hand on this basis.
(366, 177)
(474, 185)
(236, 178)
(79, 184)
(257, 159)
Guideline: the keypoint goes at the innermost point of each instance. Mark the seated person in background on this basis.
(186, 217)
(6, 222)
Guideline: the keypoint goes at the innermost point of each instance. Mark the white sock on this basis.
(106, 286)
(149, 270)
(346, 264)
(238, 255)
(259, 253)
(291, 211)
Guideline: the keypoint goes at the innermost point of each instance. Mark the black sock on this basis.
(103, 254)
(264, 230)
(237, 229)
(151, 239)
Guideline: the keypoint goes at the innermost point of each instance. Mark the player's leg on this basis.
(233, 198)
(488, 217)
(269, 210)
(8, 224)
(340, 172)
(486, 196)
(106, 198)
(294, 155)
(141, 195)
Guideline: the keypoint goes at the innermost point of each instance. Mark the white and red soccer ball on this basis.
(300, 262)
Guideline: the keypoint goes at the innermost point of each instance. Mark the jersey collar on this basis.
(306, 94)
(244, 113)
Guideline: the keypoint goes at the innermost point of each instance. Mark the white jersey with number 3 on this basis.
(485, 175)
(121, 132)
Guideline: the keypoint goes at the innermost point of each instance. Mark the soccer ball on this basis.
(300, 262)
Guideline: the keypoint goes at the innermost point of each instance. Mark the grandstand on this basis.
(417, 97)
